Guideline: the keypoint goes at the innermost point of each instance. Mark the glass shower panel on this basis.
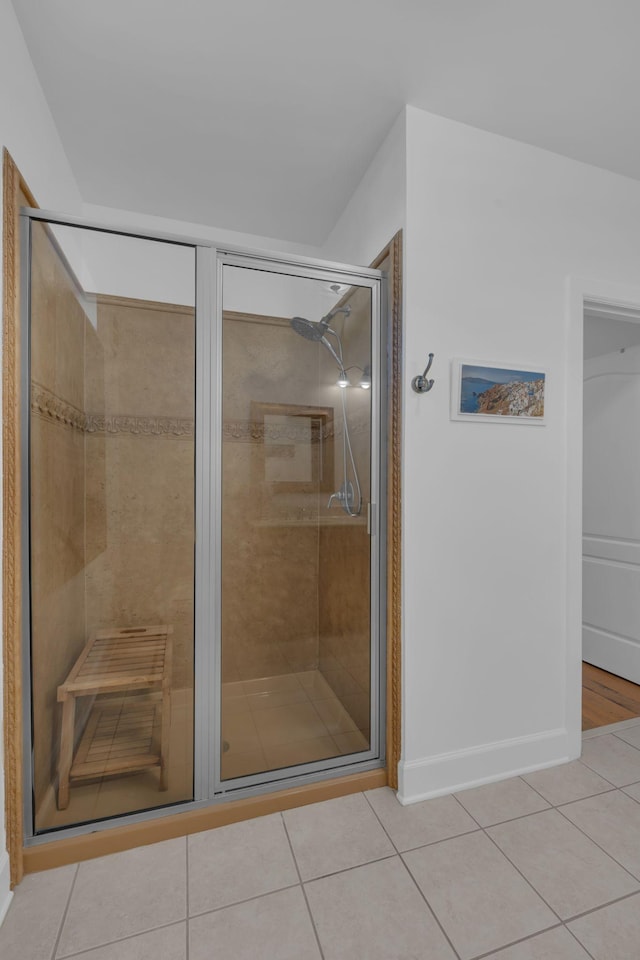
(111, 451)
(296, 552)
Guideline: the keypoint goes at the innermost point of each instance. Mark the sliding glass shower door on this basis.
(297, 494)
(201, 555)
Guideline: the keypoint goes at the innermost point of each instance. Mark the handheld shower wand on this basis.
(349, 495)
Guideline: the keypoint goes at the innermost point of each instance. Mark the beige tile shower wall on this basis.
(95, 458)
(344, 616)
(59, 327)
(140, 472)
(270, 534)
(344, 548)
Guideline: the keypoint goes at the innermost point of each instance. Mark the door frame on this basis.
(16, 195)
(580, 291)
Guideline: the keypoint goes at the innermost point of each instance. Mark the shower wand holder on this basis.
(420, 383)
(345, 496)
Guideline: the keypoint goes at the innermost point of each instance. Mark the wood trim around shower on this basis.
(389, 261)
(15, 195)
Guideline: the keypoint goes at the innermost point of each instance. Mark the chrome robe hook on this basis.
(420, 383)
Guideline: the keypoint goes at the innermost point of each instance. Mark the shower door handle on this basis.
(371, 519)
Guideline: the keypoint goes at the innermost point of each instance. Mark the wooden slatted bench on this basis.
(125, 734)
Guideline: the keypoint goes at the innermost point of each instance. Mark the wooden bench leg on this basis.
(165, 732)
(66, 751)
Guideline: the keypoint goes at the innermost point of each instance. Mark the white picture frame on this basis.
(500, 392)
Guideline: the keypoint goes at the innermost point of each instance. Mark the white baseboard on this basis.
(461, 769)
(611, 652)
(5, 891)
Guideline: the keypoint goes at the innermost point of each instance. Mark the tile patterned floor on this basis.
(281, 721)
(541, 867)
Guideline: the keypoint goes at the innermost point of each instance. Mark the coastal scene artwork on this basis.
(496, 391)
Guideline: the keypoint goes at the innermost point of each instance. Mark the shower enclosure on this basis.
(202, 534)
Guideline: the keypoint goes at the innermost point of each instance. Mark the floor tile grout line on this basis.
(602, 906)
(430, 908)
(624, 790)
(462, 807)
(515, 943)
(430, 843)
(302, 887)
(475, 820)
(618, 737)
(356, 866)
(616, 785)
(433, 843)
(65, 912)
(523, 816)
(599, 846)
(238, 903)
(498, 823)
(518, 870)
(386, 832)
(579, 942)
(509, 779)
(587, 796)
(110, 943)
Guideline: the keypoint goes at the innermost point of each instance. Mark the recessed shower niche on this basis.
(202, 540)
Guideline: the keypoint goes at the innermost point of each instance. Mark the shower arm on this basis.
(333, 353)
(328, 317)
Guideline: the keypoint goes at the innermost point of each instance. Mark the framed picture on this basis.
(501, 392)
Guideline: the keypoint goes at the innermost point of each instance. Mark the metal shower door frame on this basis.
(375, 756)
(210, 258)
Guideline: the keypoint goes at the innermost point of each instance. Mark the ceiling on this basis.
(262, 115)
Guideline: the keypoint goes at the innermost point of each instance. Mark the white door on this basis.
(611, 520)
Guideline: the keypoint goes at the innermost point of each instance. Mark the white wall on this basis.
(611, 543)
(494, 228)
(605, 334)
(183, 228)
(376, 210)
(131, 267)
(28, 131)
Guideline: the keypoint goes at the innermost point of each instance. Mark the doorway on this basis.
(204, 539)
(611, 515)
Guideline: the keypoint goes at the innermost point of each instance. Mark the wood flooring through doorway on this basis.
(607, 698)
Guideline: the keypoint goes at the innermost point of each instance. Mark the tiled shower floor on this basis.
(282, 721)
(112, 796)
(268, 724)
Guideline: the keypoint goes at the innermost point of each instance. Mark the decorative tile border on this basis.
(48, 406)
(257, 431)
(139, 426)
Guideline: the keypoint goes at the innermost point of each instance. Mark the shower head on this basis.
(316, 329)
(309, 329)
